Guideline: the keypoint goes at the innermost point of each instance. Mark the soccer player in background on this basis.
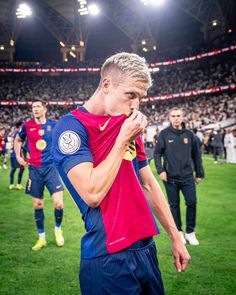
(42, 170)
(14, 164)
(100, 156)
(3, 148)
(181, 154)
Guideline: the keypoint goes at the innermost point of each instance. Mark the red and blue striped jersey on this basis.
(123, 216)
(39, 140)
(2, 142)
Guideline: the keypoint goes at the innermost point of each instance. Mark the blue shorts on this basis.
(14, 163)
(133, 271)
(3, 152)
(43, 176)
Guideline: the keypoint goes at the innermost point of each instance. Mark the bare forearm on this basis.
(102, 176)
(91, 183)
(17, 146)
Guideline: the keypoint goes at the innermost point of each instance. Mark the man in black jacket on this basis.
(179, 149)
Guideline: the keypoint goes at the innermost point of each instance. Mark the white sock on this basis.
(42, 235)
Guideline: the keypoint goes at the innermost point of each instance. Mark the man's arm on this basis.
(162, 212)
(17, 147)
(196, 156)
(158, 154)
(93, 183)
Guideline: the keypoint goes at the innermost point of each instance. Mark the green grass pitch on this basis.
(53, 270)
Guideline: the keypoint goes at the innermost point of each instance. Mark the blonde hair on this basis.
(129, 65)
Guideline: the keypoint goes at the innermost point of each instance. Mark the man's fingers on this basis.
(180, 263)
(177, 264)
(184, 263)
(132, 116)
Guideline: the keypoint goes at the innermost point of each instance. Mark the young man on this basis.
(14, 164)
(42, 170)
(100, 156)
(3, 148)
(181, 154)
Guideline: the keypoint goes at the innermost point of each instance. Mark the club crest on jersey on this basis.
(130, 153)
(185, 140)
(69, 142)
(41, 144)
(41, 132)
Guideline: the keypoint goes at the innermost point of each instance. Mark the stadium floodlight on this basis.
(72, 54)
(145, 49)
(2, 47)
(73, 47)
(23, 11)
(143, 42)
(214, 23)
(154, 47)
(229, 30)
(93, 9)
(81, 43)
(12, 42)
(62, 44)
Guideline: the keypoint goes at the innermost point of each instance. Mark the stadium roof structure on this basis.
(126, 23)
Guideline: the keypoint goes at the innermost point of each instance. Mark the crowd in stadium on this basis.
(201, 110)
(171, 79)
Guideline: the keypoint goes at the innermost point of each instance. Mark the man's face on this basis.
(39, 111)
(125, 95)
(176, 118)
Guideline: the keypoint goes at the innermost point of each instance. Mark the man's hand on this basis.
(132, 127)
(198, 180)
(180, 255)
(21, 161)
(163, 176)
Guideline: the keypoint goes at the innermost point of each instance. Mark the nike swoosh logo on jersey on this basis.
(57, 187)
(103, 127)
(171, 140)
(32, 129)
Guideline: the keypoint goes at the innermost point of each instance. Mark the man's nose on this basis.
(135, 104)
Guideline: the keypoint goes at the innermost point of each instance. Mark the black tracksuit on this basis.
(182, 157)
(180, 152)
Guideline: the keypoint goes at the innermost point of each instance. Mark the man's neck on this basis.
(41, 120)
(179, 127)
(95, 104)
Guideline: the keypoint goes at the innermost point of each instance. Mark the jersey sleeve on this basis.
(70, 143)
(141, 154)
(22, 132)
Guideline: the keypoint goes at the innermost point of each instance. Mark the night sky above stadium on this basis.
(36, 43)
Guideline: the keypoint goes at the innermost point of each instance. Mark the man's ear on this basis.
(106, 83)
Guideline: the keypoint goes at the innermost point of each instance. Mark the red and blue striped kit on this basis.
(39, 138)
(123, 216)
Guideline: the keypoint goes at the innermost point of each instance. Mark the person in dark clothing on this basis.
(217, 145)
(155, 137)
(201, 148)
(223, 133)
(14, 164)
(181, 154)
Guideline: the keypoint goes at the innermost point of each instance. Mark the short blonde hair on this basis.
(129, 65)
